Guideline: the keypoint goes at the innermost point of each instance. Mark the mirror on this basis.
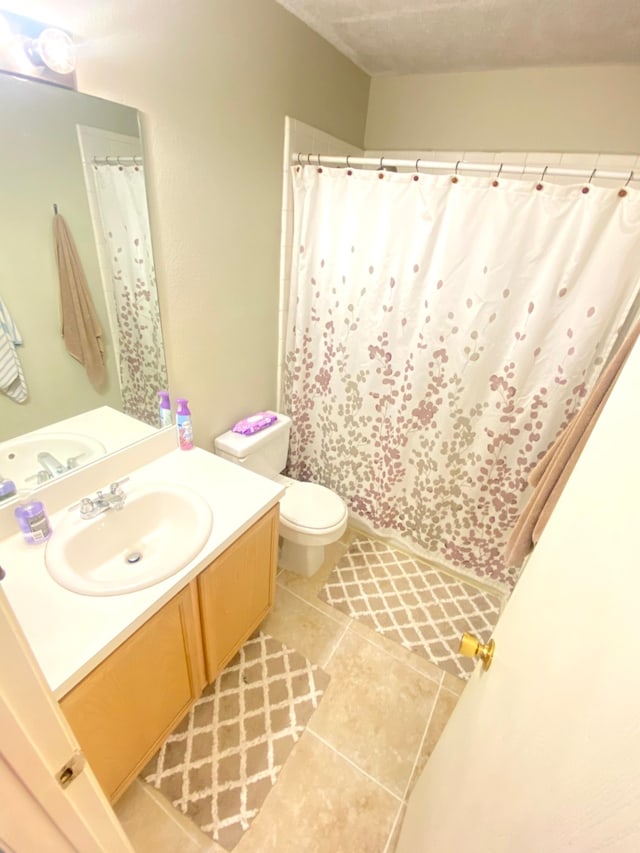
(48, 144)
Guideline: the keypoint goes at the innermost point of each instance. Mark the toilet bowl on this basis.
(311, 516)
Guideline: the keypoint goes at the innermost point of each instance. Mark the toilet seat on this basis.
(311, 508)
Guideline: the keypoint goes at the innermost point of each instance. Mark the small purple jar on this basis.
(33, 521)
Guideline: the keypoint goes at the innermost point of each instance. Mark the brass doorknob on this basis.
(471, 647)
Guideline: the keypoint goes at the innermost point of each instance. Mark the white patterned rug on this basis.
(219, 764)
(422, 608)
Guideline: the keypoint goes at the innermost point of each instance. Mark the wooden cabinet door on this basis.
(236, 592)
(122, 711)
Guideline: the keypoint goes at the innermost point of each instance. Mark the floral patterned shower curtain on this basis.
(441, 333)
(122, 202)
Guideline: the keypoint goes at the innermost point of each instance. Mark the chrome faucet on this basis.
(50, 464)
(102, 502)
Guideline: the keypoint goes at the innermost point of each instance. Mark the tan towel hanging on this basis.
(550, 475)
(81, 330)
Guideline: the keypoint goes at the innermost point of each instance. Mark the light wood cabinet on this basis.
(123, 710)
(236, 592)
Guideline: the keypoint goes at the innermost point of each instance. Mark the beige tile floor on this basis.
(345, 785)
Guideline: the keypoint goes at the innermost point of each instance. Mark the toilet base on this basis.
(302, 560)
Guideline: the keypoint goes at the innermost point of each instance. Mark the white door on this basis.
(36, 813)
(542, 753)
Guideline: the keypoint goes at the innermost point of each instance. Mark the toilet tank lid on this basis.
(238, 445)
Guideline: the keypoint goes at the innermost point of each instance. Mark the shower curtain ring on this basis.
(299, 161)
(540, 185)
(380, 167)
(592, 174)
(495, 182)
(457, 164)
(417, 169)
(308, 159)
(630, 178)
(319, 163)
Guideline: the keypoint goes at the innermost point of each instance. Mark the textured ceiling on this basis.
(430, 36)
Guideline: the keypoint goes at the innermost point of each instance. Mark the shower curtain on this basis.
(440, 335)
(122, 202)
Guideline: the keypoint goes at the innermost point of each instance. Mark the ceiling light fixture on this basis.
(33, 49)
(53, 48)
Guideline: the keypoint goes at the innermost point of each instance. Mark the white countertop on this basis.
(113, 429)
(71, 633)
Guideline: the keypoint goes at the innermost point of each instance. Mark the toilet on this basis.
(311, 516)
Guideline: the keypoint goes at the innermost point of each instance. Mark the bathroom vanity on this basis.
(126, 668)
(122, 711)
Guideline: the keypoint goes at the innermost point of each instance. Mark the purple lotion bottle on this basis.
(33, 521)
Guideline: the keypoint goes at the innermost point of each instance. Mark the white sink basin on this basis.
(159, 530)
(19, 456)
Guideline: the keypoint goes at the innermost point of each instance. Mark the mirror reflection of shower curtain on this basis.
(440, 336)
(122, 202)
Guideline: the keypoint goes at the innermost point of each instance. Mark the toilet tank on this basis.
(265, 452)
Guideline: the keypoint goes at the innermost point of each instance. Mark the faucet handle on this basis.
(72, 461)
(86, 507)
(39, 478)
(116, 488)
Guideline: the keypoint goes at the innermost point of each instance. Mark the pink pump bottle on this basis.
(183, 420)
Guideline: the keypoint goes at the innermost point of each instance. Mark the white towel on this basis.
(12, 381)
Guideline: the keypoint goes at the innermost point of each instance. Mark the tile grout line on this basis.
(380, 563)
(168, 810)
(351, 620)
(337, 643)
(311, 604)
(408, 664)
(422, 742)
(393, 829)
(355, 766)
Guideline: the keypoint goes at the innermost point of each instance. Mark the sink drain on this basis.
(134, 557)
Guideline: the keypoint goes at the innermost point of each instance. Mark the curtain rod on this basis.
(112, 160)
(496, 168)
